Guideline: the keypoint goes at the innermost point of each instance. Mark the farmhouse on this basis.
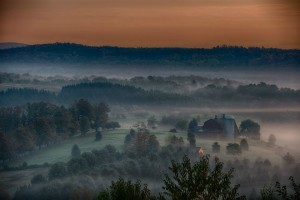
(221, 127)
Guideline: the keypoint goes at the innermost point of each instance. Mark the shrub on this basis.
(75, 152)
(244, 145)
(173, 130)
(37, 179)
(98, 136)
(216, 147)
(129, 137)
(233, 149)
(182, 124)
(272, 140)
(112, 125)
(175, 141)
(58, 170)
(288, 158)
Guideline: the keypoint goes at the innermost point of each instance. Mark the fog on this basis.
(287, 134)
(252, 168)
(282, 77)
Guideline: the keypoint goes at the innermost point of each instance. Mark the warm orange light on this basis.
(151, 23)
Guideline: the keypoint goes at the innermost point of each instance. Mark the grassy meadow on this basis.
(61, 151)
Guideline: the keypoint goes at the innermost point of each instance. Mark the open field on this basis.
(61, 152)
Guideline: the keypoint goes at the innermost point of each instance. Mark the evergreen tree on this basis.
(84, 125)
(272, 140)
(75, 152)
(101, 115)
(244, 144)
(98, 136)
(126, 190)
(216, 147)
(191, 132)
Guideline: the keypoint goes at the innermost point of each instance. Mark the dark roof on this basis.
(212, 125)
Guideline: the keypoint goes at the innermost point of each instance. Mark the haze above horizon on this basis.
(152, 23)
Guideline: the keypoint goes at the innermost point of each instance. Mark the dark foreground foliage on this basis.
(199, 181)
(279, 191)
(126, 190)
(89, 174)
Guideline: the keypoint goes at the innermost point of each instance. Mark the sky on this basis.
(152, 23)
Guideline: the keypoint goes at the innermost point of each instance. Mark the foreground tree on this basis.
(126, 190)
(199, 181)
(281, 191)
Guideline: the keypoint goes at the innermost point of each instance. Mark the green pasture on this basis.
(61, 152)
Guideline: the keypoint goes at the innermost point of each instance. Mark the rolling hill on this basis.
(220, 56)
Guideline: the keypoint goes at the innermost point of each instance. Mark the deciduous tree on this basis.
(199, 181)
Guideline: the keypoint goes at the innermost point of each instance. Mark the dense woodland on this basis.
(36, 125)
(261, 94)
(219, 56)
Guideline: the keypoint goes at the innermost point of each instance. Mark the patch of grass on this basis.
(61, 152)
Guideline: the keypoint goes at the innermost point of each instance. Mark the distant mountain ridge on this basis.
(220, 56)
(9, 45)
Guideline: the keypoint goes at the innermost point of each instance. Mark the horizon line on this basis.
(148, 47)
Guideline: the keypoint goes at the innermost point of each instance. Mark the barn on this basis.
(220, 127)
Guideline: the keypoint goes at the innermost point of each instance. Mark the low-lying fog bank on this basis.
(283, 77)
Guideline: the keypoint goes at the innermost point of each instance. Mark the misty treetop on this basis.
(21, 96)
(116, 94)
(261, 94)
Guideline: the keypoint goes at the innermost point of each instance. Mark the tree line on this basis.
(219, 56)
(36, 125)
(114, 93)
